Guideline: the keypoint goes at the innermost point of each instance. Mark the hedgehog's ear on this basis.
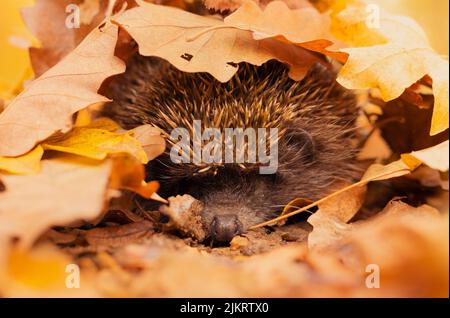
(301, 141)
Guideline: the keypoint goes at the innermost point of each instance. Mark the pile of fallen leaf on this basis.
(69, 178)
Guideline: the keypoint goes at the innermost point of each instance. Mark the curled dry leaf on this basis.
(184, 212)
(128, 173)
(194, 43)
(394, 66)
(71, 85)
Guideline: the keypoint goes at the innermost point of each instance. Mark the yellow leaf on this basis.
(25, 164)
(37, 269)
(97, 143)
(103, 123)
(395, 65)
(14, 42)
(49, 102)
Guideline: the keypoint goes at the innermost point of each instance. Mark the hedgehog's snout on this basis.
(224, 227)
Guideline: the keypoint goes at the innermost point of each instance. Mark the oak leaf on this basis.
(54, 23)
(49, 102)
(195, 43)
(395, 65)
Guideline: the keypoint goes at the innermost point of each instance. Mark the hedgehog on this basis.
(315, 119)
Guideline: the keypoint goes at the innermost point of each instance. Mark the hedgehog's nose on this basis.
(225, 227)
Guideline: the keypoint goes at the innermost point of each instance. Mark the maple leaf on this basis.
(195, 43)
(49, 102)
(395, 65)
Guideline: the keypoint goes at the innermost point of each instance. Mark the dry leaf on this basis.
(195, 43)
(119, 235)
(392, 67)
(435, 157)
(408, 245)
(375, 147)
(51, 20)
(40, 272)
(62, 192)
(47, 105)
(129, 174)
(151, 140)
(330, 221)
(405, 126)
(375, 172)
(97, 143)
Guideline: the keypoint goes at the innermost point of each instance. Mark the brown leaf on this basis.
(49, 102)
(206, 44)
(64, 191)
(288, 25)
(150, 139)
(119, 235)
(47, 21)
(330, 221)
(408, 245)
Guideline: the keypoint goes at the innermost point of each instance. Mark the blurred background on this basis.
(432, 15)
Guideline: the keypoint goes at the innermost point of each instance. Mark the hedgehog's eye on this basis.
(301, 141)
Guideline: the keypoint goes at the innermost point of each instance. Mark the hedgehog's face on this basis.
(236, 197)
